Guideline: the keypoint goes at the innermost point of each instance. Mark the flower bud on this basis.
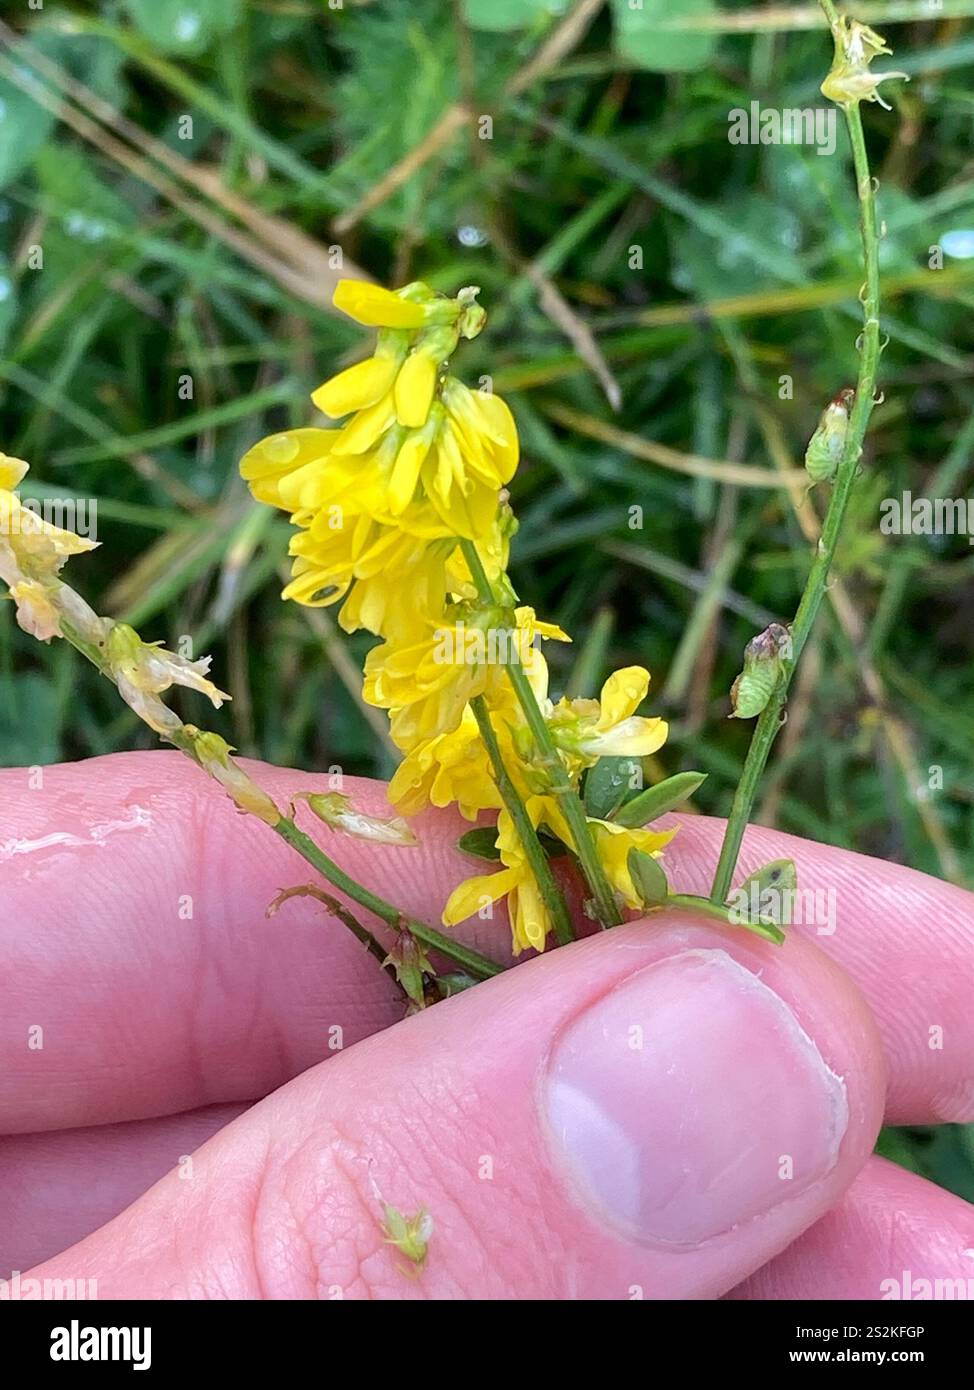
(213, 755)
(764, 656)
(849, 80)
(338, 813)
(824, 452)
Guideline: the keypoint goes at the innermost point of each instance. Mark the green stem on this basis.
(536, 857)
(769, 721)
(472, 961)
(603, 897)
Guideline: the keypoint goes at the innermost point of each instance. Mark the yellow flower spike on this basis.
(376, 307)
(613, 843)
(213, 755)
(143, 671)
(365, 383)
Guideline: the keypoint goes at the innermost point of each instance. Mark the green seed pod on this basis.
(752, 690)
(763, 657)
(824, 452)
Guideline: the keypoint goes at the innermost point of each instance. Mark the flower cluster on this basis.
(402, 516)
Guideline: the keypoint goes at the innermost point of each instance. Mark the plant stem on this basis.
(769, 721)
(603, 897)
(339, 910)
(472, 961)
(526, 832)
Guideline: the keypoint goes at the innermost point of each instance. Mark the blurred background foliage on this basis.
(182, 181)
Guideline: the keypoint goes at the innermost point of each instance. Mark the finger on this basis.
(891, 1236)
(139, 973)
(644, 1113)
(905, 938)
(58, 1188)
(99, 869)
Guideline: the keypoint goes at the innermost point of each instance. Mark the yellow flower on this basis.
(376, 307)
(591, 729)
(365, 383)
(33, 546)
(37, 612)
(296, 455)
(416, 381)
(530, 921)
(850, 80)
(145, 670)
(426, 684)
(613, 843)
(455, 769)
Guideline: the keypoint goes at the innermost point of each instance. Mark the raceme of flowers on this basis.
(385, 502)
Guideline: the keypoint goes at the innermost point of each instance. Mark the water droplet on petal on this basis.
(281, 448)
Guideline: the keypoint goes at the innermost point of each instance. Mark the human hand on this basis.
(617, 1119)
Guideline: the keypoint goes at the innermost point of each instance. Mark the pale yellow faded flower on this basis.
(143, 671)
(213, 755)
(338, 813)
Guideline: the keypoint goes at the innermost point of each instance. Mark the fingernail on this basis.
(689, 1099)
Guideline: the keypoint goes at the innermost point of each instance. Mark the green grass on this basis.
(153, 274)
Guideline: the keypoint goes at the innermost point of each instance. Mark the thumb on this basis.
(652, 1112)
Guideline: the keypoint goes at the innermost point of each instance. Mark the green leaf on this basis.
(690, 902)
(766, 895)
(481, 843)
(607, 785)
(503, 16)
(184, 26)
(640, 38)
(655, 801)
(648, 878)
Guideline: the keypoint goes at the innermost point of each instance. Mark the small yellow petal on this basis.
(469, 897)
(622, 694)
(377, 307)
(415, 386)
(12, 471)
(356, 388)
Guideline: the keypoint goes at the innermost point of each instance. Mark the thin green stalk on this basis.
(472, 961)
(604, 900)
(553, 899)
(769, 721)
